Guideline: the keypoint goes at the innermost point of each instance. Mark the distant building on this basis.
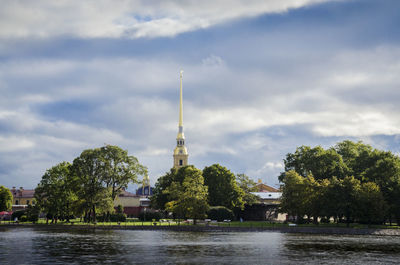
(145, 189)
(266, 208)
(261, 187)
(132, 203)
(267, 195)
(22, 198)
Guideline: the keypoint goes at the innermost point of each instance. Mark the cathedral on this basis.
(180, 153)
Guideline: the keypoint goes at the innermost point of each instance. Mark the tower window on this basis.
(181, 162)
(16, 202)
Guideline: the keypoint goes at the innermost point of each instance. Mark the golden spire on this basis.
(180, 152)
(180, 104)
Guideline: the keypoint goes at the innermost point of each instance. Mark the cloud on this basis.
(13, 143)
(135, 106)
(132, 19)
(252, 91)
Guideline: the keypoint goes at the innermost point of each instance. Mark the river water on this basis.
(39, 246)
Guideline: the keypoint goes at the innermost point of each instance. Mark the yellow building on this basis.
(127, 199)
(22, 198)
(180, 153)
(131, 203)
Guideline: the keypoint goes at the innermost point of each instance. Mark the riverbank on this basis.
(202, 228)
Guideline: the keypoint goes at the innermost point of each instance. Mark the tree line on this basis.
(189, 192)
(349, 182)
(88, 185)
(5, 199)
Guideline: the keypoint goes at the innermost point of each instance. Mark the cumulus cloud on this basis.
(125, 107)
(132, 19)
(249, 98)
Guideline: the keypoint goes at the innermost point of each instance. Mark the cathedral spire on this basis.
(180, 104)
(180, 152)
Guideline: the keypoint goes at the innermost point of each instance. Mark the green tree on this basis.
(372, 165)
(371, 205)
(293, 195)
(247, 185)
(322, 164)
(5, 199)
(220, 213)
(352, 181)
(189, 198)
(119, 169)
(394, 203)
(88, 175)
(312, 194)
(222, 187)
(160, 198)
(356, 156)
(349, 189)
(330, 199)
(54, 194)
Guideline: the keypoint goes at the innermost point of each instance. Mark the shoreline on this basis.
(200, 228)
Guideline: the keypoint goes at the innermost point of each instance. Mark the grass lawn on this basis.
(165, 222)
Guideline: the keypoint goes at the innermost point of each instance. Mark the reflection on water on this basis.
(34, 246)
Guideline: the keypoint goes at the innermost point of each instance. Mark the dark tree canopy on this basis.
(247, 185)
(223, 189)
(352, 180)
(317, 161)
(54, 194)
(188, 198)
(90, 184)
(119, 169)
(5, 199)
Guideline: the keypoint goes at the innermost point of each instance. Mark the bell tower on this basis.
(180, 153)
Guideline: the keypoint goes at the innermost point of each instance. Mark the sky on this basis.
(260, 79)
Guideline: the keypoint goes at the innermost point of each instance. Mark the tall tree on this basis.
(322, 164)
(223, 189)
(88, 173)
(54, 194)
(348, 189)
(371, 206)
(189, 198)
(247, 185)
(5, 199)
(293, 195)
(119, 169)
(160, 198)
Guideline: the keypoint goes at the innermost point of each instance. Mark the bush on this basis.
(32, 213)
(33, 218)
(220, 213)
(23, 218)
(17, 214)
(119, 209)
(118, 217)
(148, 216)
(115, 217)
